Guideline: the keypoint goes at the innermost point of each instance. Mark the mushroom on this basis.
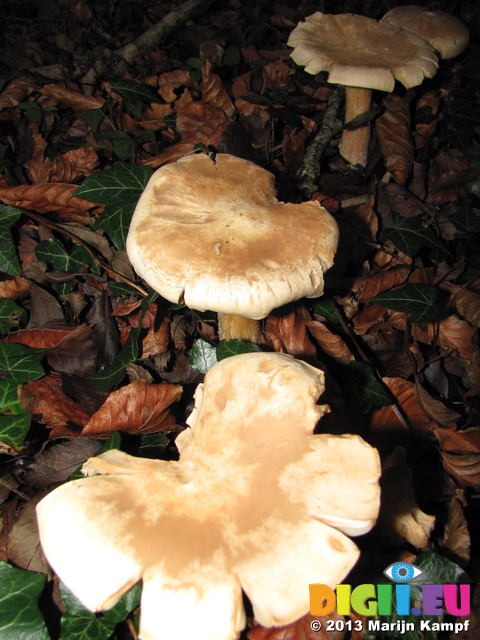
(445, 33)
(256, 502)
(213, 234)
(363, 55)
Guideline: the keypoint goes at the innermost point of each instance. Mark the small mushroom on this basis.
(213, 234)
(445, 33)
(361, 54)
(256, 502)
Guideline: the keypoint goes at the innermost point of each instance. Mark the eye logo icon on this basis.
(402, 572)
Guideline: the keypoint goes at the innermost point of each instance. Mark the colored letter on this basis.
(322, 600)
(402, 596)
(432, 599)
(450, 593)
(360, 596)
(384, 598)
(343, 599)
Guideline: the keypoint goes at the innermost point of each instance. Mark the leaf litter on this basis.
(84, 354)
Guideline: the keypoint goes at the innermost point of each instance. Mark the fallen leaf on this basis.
(434, 408)
(286, 333)
(300, 630)
(213, 91)
(73, 99)
(393, 132)
(135, 408)
(15, 92)
(14, 289)
(23, 544)
(468, 305)
(461, 454)
(57, 462)
(330, 343)
(456, 537)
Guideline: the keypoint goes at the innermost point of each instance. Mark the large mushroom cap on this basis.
(447, 35)
(257, 502)
(214, 234)
(361, 52)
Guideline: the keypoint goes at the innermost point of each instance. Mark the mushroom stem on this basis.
(233, 326)
(354, 144)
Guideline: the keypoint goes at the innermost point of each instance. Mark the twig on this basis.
(331, 125)
(154, 37)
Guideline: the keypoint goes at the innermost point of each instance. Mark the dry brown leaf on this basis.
(278, 74)
(332, 344)
(461, 454)
(157, 341)
(69, 167)
(23, 544)
(424, 130)
(288, 334)
(73, 99)
(168, 82)
(393, 132)
(387, 425)
(367, 286)
(45, 198)
(57, 462)
(15, 289)
(447, 173)
(302, 630)
(47, 402)
(434, 408)
(468, 306)
(15, 92)
(135, 408)
(456, 537)
(213, 91)
(241, 87)
(451, 333)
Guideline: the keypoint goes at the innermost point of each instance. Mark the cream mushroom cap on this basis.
(445, 33)
(256, 502)
(358, 51)
(214, 235)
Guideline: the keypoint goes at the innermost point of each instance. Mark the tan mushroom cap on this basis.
(447, 35)
(214, 235)
(256, 502)
(361, 52)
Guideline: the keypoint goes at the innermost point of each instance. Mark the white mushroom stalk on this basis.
(257, 503)
(214, 235)
(360, 53)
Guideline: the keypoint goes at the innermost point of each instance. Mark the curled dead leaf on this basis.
(456, 537)
(331, 343)
(16, 288)
(461, 454)
(393, 132)
(15, 92)
(136, 408)
(468, 305)
(213, 91)
(288, 334)
(73, 99)
(434, 408)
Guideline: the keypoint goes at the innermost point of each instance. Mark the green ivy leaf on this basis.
(115, 221)
(134, 92)
(10, 315)
(88, 627)
(8, 255)
(465, 219)
(93, 117)
(21, 363)
(227, 348)
(153, 445)
(9, 397)
(409, 235)
(32, 110)
(365, 387)
(418, 300)
(203, 356)
(20, 616)
(13, 430)
(325, 307)
(123, 145)
(473, 188)
(122, 184)
(53, 252)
